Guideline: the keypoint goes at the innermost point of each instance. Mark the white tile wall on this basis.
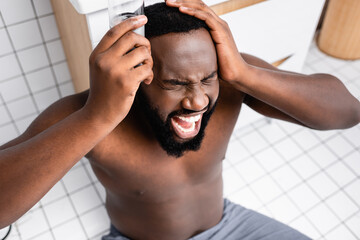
(25, 34)
(29, 79)
(15, 11)
(305, 178)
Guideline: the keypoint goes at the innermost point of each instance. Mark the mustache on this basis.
(187, 111)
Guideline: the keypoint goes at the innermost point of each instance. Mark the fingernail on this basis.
(141, 19)
(171, 0)
(185, 8)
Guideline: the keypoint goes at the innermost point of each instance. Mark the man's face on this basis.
(182, 96)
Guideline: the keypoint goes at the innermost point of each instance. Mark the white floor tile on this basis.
(288, 149)
(85, 199)
(287, 127)
(96, 221)
(342, 205)
(352, 135)
(283, 209)
(322, 185)
(305, 166)
(339, 146)
(353, 161)
(250, 170)
(272, 132)
(55, 193)
(236, 152)
(27, 226)
(303, 197)
(322, 156)
(353, 190)
(59, 212)
(76, 179)
(305, 139)
(323, 218)
(349, 72)
(232, 181)
(71, 230)
(286, 177)
(101, 190)
(353, 223)
(5, 46)
(304, 226)
(340, 232)
(246, 198)
(340, 174)
(269, 159)
(254, 142)
(44, 236)
(266, 189)
(325, 135)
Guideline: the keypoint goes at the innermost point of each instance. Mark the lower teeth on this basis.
(192, 128)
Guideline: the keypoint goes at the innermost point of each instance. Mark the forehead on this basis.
(184, 53)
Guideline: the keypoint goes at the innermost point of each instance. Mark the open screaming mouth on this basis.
(186, 126)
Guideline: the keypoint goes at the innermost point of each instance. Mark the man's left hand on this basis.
(230, 62)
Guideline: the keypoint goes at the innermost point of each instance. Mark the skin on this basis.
(148, 191)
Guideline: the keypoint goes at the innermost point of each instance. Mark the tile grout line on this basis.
(323, 170)
(47, 51)
(21, 69)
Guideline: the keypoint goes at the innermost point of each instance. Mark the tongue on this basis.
(182, 123)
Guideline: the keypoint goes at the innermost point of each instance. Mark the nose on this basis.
(196, 100)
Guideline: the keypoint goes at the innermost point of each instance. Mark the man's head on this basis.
(185, 88)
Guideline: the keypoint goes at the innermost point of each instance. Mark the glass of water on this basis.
(119, 10)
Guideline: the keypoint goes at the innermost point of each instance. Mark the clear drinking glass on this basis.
(119, 10)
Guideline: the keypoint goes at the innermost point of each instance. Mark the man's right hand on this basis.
(119, 63)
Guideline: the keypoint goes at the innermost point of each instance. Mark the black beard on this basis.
(162, 130)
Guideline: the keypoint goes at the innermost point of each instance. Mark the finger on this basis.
(127, 42)
(209, 17)
(119, 30)
(144, 73)
(139, 55)
(197, 9)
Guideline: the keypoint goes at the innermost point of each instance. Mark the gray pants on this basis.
(238, 223)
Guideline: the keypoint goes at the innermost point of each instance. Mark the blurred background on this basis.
(305, 178)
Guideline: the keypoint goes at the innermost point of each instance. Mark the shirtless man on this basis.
(142, 127)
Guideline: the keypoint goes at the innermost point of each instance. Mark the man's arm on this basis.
(31, 164)
(344, 109)
(318, 101)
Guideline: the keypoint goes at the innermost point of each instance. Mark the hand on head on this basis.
(229, 58)
(119, 63)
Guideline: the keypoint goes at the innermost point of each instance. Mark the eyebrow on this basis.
(179, 82)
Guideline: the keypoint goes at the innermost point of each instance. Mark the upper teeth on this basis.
(190, 119)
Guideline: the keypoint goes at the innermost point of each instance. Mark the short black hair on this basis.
(163, 20)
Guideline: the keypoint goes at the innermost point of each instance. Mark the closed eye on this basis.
(209, 79)
(175, 82)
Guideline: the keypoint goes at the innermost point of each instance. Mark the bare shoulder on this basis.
(50, 116)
